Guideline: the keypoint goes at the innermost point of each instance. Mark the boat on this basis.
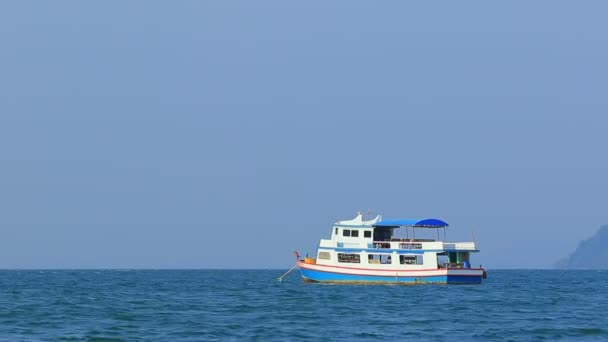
(368, 251)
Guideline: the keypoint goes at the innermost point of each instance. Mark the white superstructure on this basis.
(368, 251)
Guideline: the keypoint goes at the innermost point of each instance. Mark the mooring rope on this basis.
(286, 273)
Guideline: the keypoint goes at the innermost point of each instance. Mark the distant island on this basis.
(590, 254)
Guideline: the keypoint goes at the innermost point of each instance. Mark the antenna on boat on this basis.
(474, 240)
(368, 214)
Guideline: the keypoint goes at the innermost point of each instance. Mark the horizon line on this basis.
(246, 269)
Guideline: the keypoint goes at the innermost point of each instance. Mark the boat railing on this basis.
(402, 244)
(452, 265)
(382, 244)
(410, 245)
(411, 240)
(459, 245)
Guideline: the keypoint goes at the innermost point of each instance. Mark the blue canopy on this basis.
(416, 223)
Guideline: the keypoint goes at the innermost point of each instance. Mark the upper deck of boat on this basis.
(403, 244)
(380, 235)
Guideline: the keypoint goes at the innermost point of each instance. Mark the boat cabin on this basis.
(373, 242)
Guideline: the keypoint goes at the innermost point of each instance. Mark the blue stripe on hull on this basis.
(455, 279)
(319, 276)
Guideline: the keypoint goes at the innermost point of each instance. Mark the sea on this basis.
(252, 305)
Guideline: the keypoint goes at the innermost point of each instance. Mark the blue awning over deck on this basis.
(416, 223)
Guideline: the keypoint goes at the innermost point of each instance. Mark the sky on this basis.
(227, 134)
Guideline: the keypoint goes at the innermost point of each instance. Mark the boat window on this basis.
(345, 232)
(379, 259)
(383, 234)
(442, 260)
(354, 233)
(350, 258)
(410, 259)
(336, 231)
(324, 255)
(458, 259)
(367, 234)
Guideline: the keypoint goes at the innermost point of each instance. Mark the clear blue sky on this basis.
(229, 133)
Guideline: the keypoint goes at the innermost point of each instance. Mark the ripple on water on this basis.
(252, 305)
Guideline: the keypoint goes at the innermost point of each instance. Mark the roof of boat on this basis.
(416, 223)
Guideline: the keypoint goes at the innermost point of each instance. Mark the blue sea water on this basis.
(251, 305)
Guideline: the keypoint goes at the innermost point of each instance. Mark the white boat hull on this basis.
(342, 274)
